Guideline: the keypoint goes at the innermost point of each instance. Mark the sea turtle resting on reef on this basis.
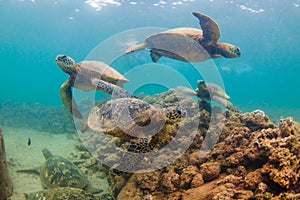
(129, 118)
(118, 117)
(60, 172)
(209, 91)
(189, 44)
(82, 76)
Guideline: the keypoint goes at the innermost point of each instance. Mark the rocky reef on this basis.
(53, 119)
(232, 155)
(252, 159)
(6, 187)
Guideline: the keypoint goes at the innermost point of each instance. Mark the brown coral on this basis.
(210, 170)
(253, 159)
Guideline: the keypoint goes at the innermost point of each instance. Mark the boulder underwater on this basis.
(6, 187)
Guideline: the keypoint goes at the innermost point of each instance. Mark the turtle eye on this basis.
(237, 51)
(61, 58)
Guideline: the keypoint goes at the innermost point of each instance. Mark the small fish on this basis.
(29, 141)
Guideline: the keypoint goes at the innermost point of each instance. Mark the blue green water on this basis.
(265, 77)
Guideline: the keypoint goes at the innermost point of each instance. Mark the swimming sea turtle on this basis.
(60, 172)
(82, 76)
(189, 44)
(209, 91)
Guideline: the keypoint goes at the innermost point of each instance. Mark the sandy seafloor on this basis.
(21, 156)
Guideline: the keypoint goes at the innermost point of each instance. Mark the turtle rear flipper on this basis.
(136, 48)
(210, 28)
(66, 97)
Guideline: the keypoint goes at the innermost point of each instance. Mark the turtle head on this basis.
(228, 50)
(46, 153)
(202, 91)
(66, 63)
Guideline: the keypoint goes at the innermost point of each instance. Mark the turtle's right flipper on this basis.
(66, 97)
(112, 89)
(225, 103)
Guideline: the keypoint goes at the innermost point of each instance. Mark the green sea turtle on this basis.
(129, 118)
(60, 172)
(189, 44)
(209, 91)
(82, 76)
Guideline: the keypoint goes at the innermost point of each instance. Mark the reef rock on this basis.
(252, 159)
(6, 187)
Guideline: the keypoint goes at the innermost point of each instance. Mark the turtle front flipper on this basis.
(112, 89)
(155, 56)
(225, 103)
(67, 99)
(210, 28)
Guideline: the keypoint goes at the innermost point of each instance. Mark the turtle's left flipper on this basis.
(66, 97)
(154, 55)
(112, 89)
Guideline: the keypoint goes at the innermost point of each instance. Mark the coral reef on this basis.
(253, 159)
(232, 156)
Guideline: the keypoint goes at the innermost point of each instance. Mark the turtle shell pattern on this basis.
(60, 172)
(126, 118)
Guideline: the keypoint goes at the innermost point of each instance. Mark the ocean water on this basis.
(265, 77)
(34, 32)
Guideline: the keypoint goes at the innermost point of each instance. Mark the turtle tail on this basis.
(136, 48)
